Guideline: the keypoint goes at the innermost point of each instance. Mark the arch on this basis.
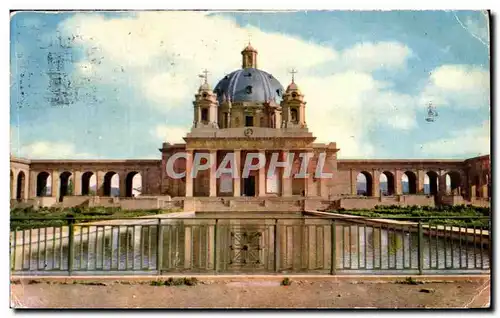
(431, 183)
(111, 183)
(133, 184)
(453, 183)
(364, 184)
(21, 179)
(65, 185)
(411, 180)
(388, 187)
(42, 181)
(88, 178)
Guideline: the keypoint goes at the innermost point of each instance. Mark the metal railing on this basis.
(251, 245)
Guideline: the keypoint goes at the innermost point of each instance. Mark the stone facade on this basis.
(250, 113)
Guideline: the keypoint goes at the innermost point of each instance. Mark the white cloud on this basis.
(171, 134)
(52, 150)
(373, 56)
(465, 86)
(471, 141)
(162, 53)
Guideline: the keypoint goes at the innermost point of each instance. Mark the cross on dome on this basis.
(205, 75)
(293, 72)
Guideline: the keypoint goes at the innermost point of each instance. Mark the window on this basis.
(204, 114)
(278, 92)
(294, 94)
(204, 95)
(293, 114)
(248, 121)
(249, 89)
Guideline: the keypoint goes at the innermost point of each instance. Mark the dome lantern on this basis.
(249, 57)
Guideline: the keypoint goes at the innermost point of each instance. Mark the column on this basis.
(237, 176)
(354, 181)
(286, 181)
(55, 184)
(26, 185)
(99, 183)
(123, 184)
(321, 186)
(189, 179)
(262, 176)
(13, 192)
(484, 191)
(144, 181)
(32, 182)
(306, 186)
(397, 182)
(420, 181)
(213, 168)
(376, 183)
(77, 183)
(442, 184)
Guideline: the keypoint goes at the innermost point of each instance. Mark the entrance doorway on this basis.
(249, 186)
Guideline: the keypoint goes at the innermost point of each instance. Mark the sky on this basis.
(126, 81)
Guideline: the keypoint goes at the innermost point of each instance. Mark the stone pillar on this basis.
(420, 181)
(442, 184)
(376, 183)
(26, 185)
(397, 182)
(354, 181)
(123, 184)
(306, 186)
(77, 183)
(237, 176)
(189, 179)
(286, 181)
(32, 186)
(213, 169)
(262, 176)
(13, 192)
(472, 193)
(322, 187)
(99, 183)
(484, 191)
(55, 184)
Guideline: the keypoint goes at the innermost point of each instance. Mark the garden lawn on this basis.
(29, 218)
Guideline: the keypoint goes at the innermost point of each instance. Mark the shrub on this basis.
(286, 282)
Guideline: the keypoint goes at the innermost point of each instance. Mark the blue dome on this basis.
(249, 85)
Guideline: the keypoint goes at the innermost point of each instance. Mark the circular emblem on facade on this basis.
(248, 132)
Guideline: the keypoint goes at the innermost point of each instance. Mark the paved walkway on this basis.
(302, 293)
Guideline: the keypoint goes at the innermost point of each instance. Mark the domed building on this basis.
(248, 116)
(248, 111)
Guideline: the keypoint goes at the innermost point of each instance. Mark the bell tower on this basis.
(293, 106)
(205, 105)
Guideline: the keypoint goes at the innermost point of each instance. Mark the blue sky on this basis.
(367, 78)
